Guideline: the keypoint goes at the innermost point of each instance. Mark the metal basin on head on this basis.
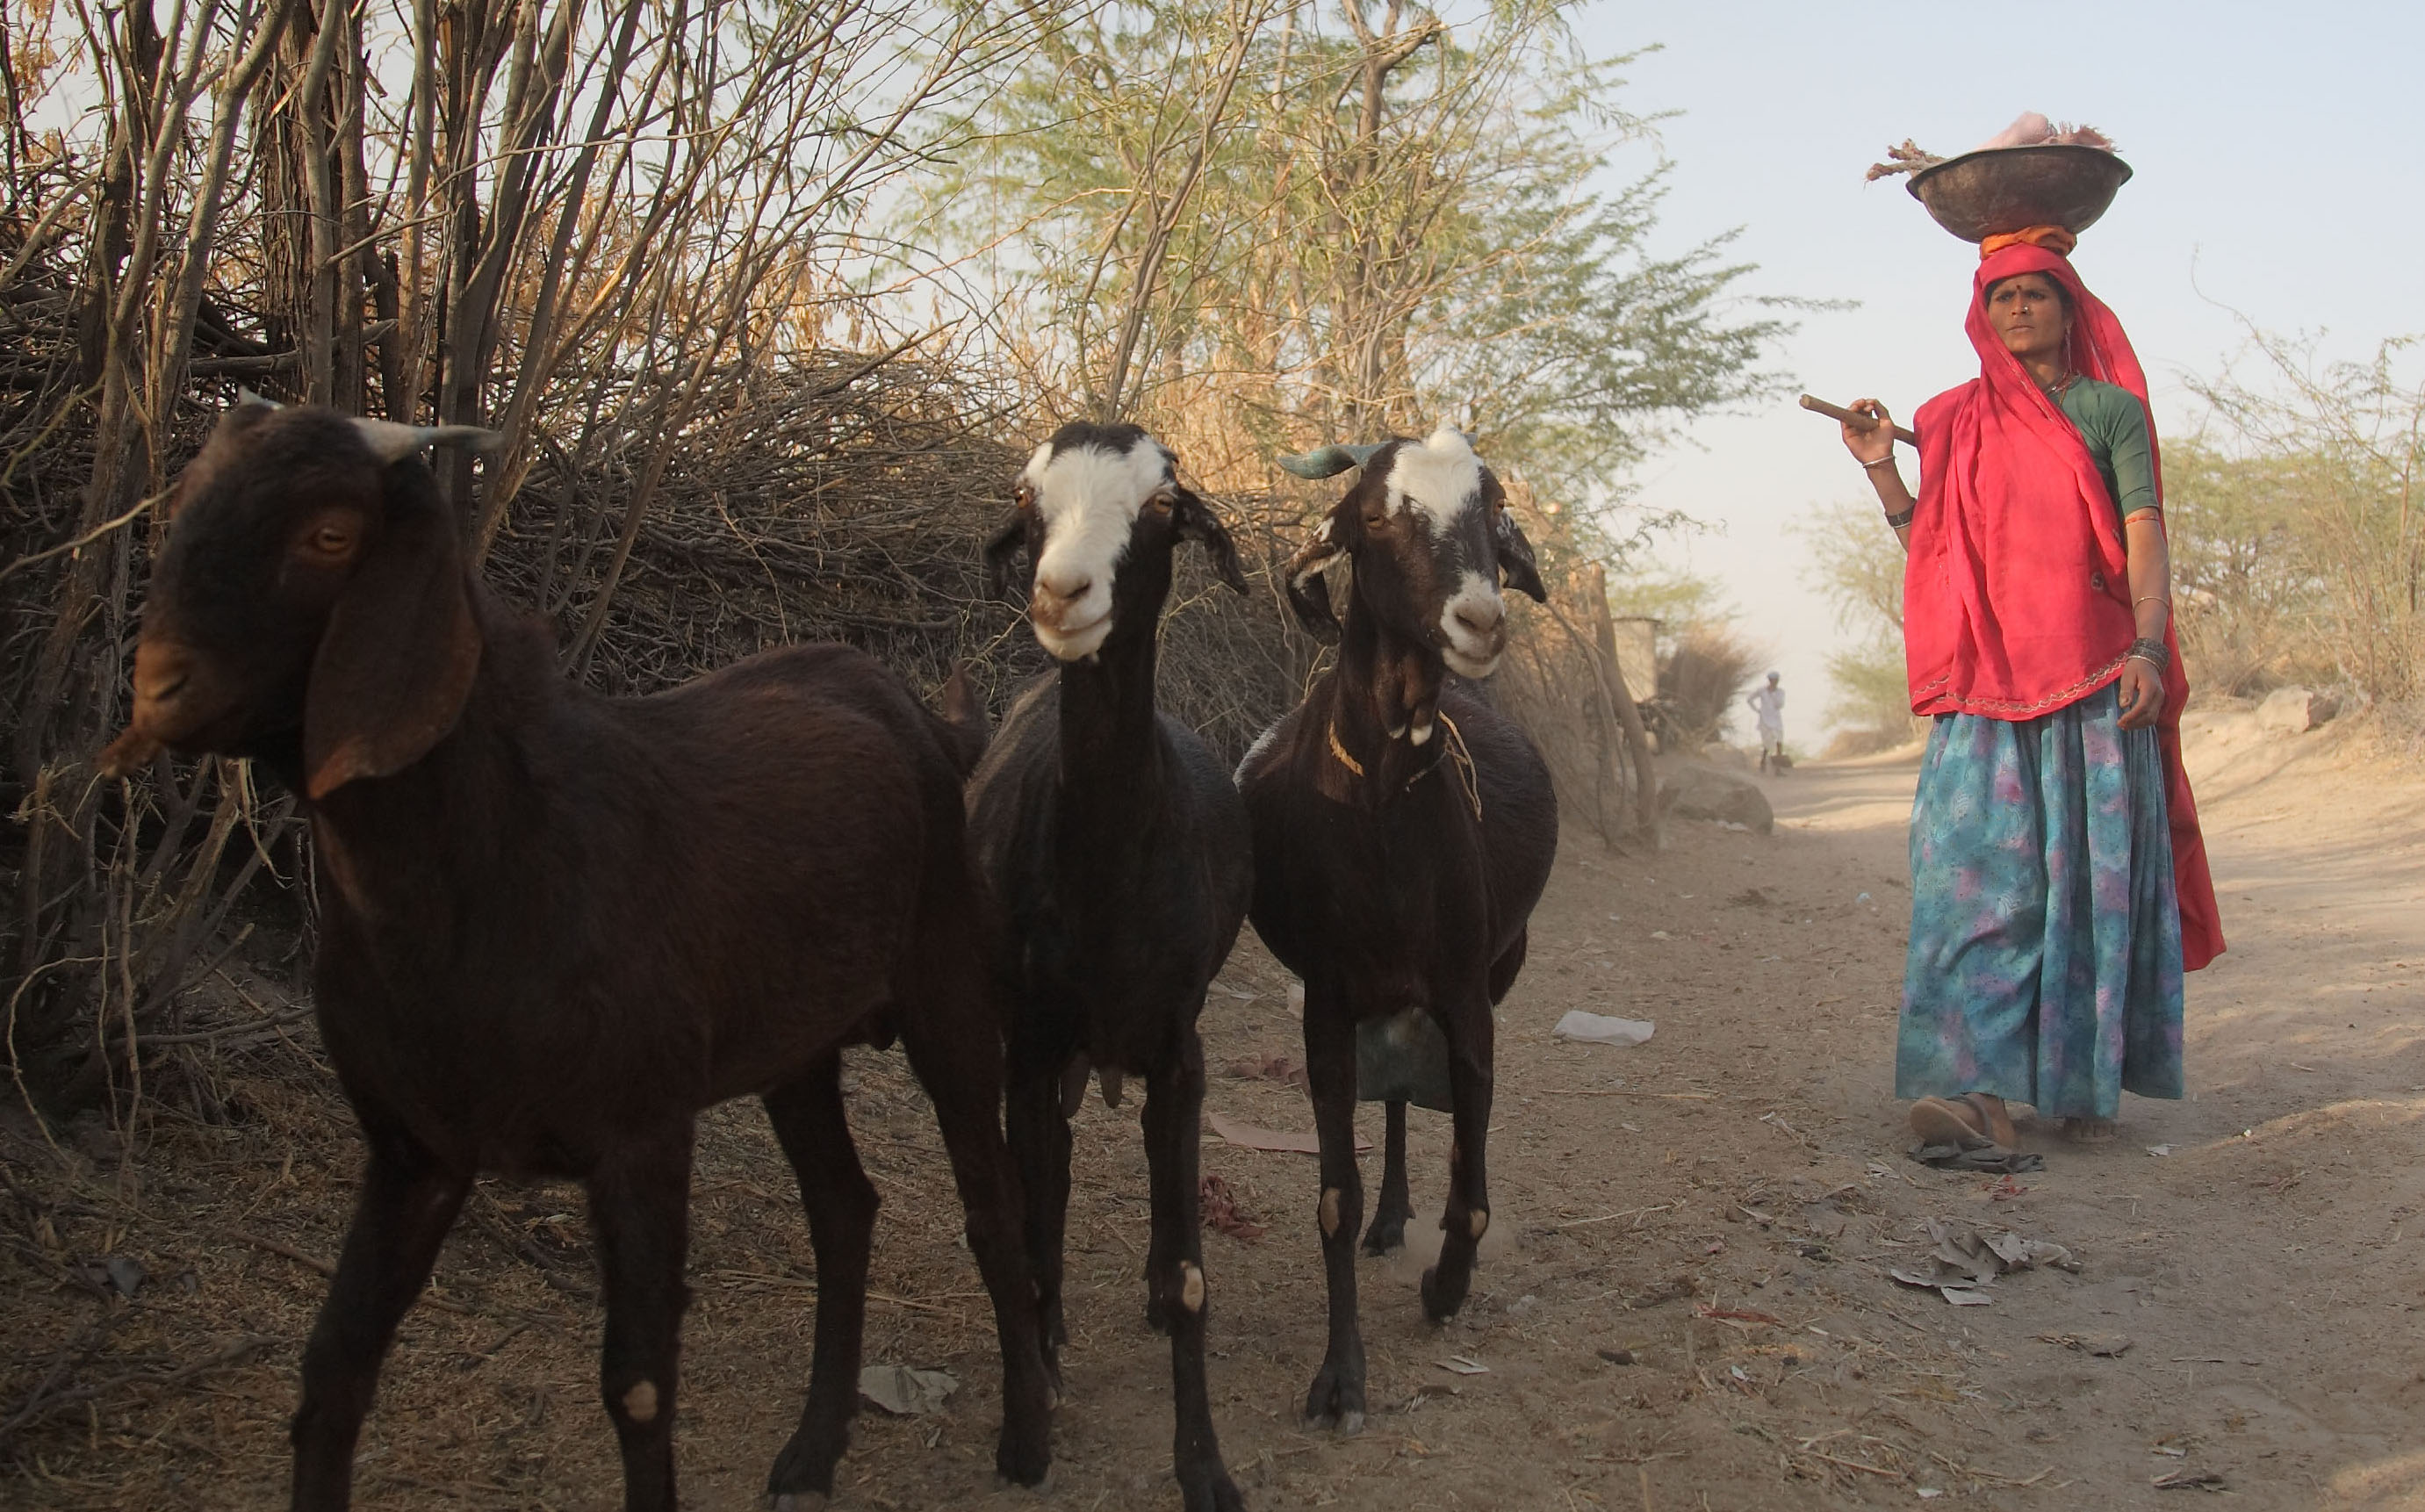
(2003, 189)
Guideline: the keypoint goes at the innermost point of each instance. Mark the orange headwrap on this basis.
(2053, 238)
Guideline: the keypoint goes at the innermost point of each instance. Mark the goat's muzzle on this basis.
(1473, 629)
(1051, 614)
(164, 704)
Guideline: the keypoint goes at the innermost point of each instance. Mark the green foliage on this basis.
(1352, 232)
(1856, 563)
(2299, 532)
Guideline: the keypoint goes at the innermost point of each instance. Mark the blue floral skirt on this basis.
(2045, 964)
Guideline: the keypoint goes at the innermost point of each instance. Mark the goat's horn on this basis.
(244, 397)
(1327, 460)
(392, 442)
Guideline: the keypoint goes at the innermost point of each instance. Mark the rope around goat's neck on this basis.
(1455, 749)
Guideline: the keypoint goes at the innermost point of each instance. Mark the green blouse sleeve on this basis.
(2133, 453)
(2114, 424)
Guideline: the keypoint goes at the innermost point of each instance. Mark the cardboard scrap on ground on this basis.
(907, 1392)
(1965, 1259)
(1249, 1136)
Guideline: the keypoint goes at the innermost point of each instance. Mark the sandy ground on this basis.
(1720, 1206)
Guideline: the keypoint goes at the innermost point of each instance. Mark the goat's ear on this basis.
(1309, 593)
(397, 661)
(1516, 556)
(999, 547)
(1198, 522)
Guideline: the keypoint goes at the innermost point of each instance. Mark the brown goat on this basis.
(1402, 833)
(556, 925)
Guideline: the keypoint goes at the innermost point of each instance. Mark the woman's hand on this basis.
(2142, 690)
(1876, 443)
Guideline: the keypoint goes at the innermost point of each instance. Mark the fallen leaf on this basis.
(2191, 1480)
(1464, 1365)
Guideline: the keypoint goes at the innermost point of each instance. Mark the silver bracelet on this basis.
(1888, 460)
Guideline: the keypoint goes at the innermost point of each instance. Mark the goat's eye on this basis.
(332, 541)
(1024, 497)
(1160, 503)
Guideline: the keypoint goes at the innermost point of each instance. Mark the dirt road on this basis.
(1720, 1206)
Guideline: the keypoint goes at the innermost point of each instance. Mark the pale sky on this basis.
(2276, 154)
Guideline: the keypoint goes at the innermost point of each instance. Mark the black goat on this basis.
(1402, 833)
(556, 925)
(1117, 849)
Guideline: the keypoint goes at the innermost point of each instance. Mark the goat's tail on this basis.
(965, 729)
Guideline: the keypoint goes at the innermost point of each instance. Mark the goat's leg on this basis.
(961, 1065)
(1466, 1213)
(1174, 1109)
(814, 1131)
(639, 1208)
(1388, 1230)
(1338, 1393)
(1039, 1148)
(407, 1203)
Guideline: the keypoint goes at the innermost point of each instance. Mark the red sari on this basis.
(2016, 596)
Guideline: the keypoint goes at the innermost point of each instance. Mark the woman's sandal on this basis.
(1941, 1122)
(1994, 1121)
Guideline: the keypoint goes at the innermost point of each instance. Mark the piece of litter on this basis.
(2173, 1450)
(1963, 1297)
(1660, 934)
(905, 1393)
(1739, 1373)
(1464, 1365)
(1218, 1206)
(1251, 1136)
(2191, 1480)
(1862, 898)
(1928, 1493)
(2160, 1149)
(1296, 998)
(1600, 1029)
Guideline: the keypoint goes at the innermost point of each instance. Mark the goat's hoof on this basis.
(1210, 1489)
(1443, 1298)
(1385, 1236)
(799, 1502)
(1336, 1401)
(1024, 1464)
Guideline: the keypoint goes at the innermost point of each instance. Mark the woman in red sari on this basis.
(2059, 880)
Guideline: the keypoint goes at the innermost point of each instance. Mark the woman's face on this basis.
(2027, 311)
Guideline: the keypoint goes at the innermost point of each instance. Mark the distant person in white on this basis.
(1768, 707)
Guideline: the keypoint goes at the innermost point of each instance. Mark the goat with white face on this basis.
(1402, 832)
(1117, 848)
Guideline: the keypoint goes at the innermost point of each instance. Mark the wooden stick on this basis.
(1854, 418)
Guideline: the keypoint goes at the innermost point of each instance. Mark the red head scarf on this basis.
(2016, 597)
